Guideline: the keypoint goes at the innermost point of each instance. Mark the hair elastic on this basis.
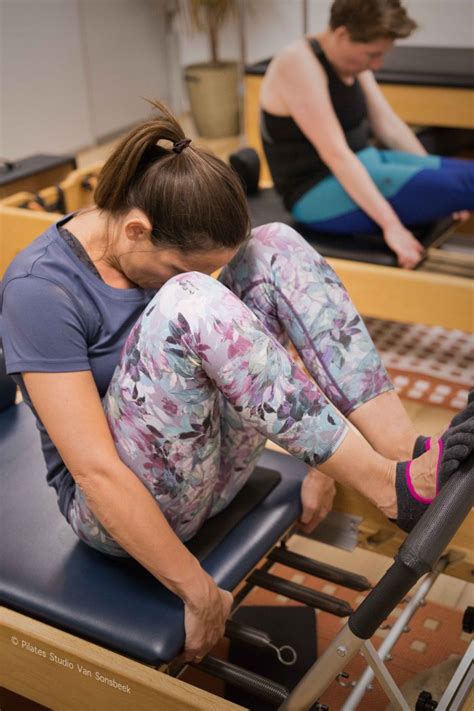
(179, 146)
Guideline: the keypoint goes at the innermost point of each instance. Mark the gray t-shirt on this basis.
(58, 316)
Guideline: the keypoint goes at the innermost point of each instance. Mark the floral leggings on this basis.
(204, 379)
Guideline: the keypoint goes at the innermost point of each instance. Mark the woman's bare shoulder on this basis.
(295, 61)
(298, 49)
(297, 56)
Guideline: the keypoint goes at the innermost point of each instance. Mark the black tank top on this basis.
(294, 163)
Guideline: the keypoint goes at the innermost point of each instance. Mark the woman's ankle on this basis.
(384, 496)
(423, 472)
(399, 446)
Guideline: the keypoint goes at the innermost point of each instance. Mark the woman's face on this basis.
(356, 57)
(148, 266)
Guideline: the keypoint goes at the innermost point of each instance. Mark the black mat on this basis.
(266, 206)
(216, 529)
(26, 167)
(295, 626)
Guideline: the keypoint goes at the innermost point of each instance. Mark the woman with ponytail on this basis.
(155, 385)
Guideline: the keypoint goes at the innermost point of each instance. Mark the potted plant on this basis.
(212, 86)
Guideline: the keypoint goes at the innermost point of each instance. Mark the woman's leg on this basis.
(195, 344)
(200, 386)
(296, 294)
(420, 189)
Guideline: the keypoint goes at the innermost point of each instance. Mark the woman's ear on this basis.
(137, 226)
(341, 33)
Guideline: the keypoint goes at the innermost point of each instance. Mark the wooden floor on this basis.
(427, 419)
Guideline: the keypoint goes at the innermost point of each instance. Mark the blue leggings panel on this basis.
(419, 188)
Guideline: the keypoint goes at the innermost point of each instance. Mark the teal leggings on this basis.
(419, 188)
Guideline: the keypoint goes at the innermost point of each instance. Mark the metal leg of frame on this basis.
(461, 683)
(316, 680)
(384, 677)
(360, 688)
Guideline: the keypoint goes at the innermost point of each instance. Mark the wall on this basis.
(44, 100)
(442, 23)
(125, 59)
(74, 71)
(270, 24)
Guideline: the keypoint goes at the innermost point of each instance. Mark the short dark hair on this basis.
(194, 201)
(369, 20)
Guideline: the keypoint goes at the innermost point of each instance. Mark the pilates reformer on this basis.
(34, 172)
(24, 215)
(368, 268)
(427, 86)
(80, 630)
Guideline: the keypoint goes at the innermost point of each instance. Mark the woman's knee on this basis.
(276, 234)
(185, 292)
(278, 238)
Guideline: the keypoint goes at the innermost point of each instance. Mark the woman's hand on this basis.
(408, 250)
(205, 615)
(317, 495)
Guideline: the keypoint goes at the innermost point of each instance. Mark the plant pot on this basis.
(213, 94)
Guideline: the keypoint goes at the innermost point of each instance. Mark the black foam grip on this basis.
(301, 593)
(439, 523)
(386, 595)
(420, 551)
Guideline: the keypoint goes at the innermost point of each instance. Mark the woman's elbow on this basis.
(92, 472)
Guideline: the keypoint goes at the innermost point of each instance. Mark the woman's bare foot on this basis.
(422, 473)
(418, 481)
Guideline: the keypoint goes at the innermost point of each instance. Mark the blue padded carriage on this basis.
(50, 575)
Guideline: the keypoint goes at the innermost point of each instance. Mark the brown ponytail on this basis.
(193, 199)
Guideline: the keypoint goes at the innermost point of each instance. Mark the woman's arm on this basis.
(69, 406)
(307, 99)
(386, 125)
